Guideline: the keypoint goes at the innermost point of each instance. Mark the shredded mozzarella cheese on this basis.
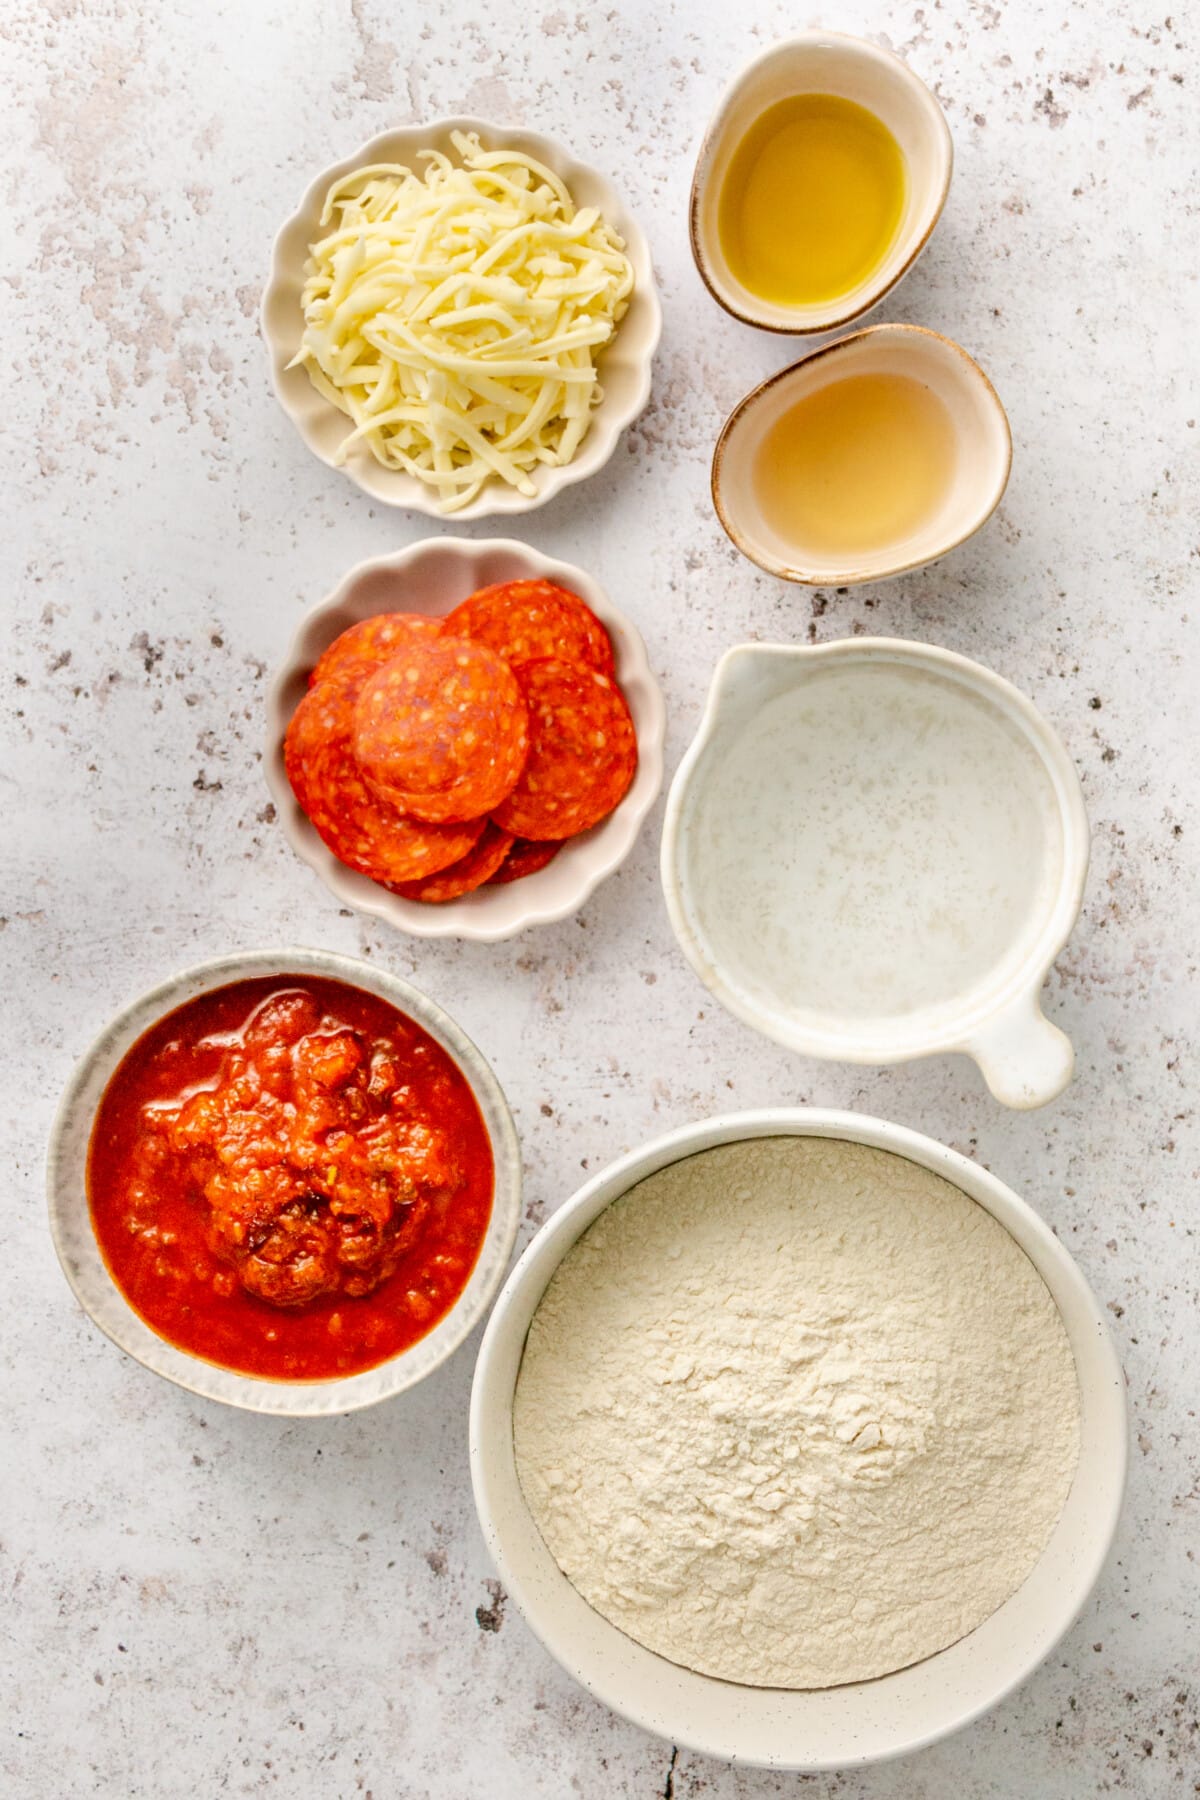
(455, 317)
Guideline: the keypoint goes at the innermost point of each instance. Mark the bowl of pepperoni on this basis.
(286, 1180)
(465, 738)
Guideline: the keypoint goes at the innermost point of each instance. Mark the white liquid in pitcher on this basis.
(875, 841)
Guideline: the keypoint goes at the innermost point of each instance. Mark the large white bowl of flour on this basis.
(798, 1438)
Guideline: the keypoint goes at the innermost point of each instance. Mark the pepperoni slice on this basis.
(525, 620)
(442, 730)
(362, 831)
(470, 871)
(582, 751)
(525, 858)
(373, 641)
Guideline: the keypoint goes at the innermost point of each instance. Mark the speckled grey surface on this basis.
(200, 1602)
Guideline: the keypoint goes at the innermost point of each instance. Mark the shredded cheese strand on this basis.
(455, 316)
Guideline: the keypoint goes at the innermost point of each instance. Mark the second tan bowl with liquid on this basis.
(788, 1728)
(979, 465)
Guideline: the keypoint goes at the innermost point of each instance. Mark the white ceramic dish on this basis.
(625, 363)
(824, 62)
(982, 456)
(102, 1300)
(874, 850)
(432, 577)
(833, 1727)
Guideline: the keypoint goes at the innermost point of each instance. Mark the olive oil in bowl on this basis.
(812, 200)
(858, 466)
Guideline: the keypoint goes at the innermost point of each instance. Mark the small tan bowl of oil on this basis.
(818, 184)
(876, 454)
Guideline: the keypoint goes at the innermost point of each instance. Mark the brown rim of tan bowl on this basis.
(873, 298)
(856, 578)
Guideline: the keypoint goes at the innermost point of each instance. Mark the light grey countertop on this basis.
(203, 1602)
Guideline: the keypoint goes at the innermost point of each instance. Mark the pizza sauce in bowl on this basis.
(289, 1177)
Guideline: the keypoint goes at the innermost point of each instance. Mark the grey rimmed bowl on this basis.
(103, 1301)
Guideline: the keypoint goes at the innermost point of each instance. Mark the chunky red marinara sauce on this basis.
(290, 1178)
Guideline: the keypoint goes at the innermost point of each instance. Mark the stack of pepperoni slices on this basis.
(434, 755)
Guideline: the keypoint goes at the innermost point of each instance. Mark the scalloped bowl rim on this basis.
(639, 331)
(88, 1274)
(490, 914)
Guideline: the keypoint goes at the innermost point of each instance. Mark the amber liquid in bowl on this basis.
(812, 200)
(856, 467)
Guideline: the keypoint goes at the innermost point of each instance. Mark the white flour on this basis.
(795, 1412)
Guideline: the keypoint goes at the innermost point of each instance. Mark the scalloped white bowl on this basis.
(105, 1304)
(624, 364)
(432, 577)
